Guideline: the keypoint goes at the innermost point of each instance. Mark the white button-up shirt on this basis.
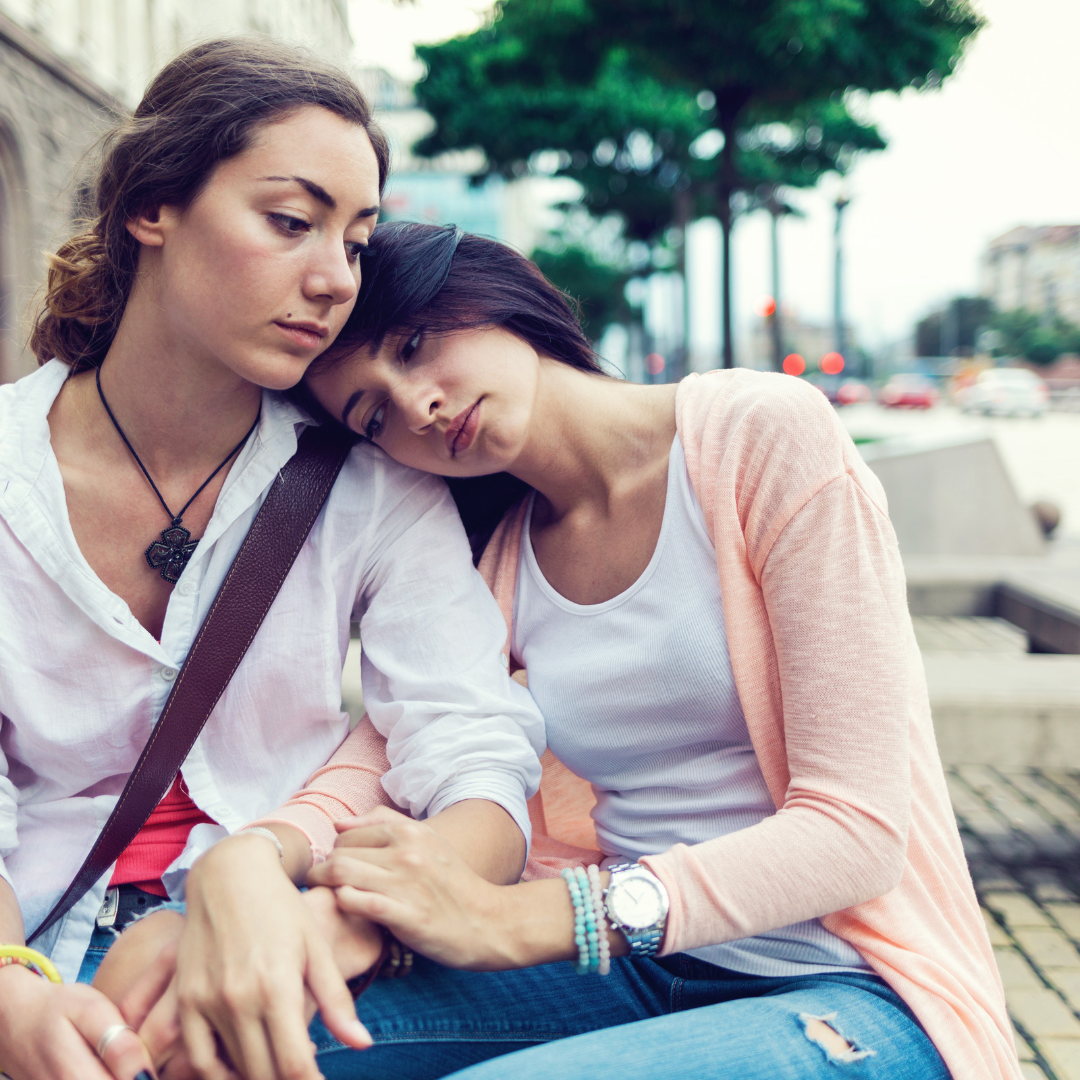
(82, 682)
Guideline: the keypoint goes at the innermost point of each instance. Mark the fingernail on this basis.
(144, 1075)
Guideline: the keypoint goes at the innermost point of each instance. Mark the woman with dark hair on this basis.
(231, 212)
(703, 585)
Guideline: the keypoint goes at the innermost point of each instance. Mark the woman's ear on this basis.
(151, 226)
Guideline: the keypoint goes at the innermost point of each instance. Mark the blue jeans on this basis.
(673, 1017)
(134, 905)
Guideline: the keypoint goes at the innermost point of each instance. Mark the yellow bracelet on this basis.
(31, 958)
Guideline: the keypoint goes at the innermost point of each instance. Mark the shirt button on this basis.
(186, 588)
(168, 674)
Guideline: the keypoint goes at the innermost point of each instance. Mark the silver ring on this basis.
(109, 1034)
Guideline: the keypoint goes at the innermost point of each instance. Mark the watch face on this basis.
(635, 902)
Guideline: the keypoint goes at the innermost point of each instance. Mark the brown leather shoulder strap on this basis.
(276, 536)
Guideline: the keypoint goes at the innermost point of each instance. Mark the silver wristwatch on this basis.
(637, 903)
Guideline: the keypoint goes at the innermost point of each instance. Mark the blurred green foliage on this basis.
(667, 110)
(1035, 337)
(639, 147)
(597, 286)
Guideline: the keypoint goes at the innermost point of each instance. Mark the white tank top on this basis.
(640, 700)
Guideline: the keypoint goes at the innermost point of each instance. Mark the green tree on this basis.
(760, 59)
(642, 149)
(954, 330)
(598, 287)
(1036, 337)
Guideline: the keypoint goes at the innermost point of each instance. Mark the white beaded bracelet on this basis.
(601, 923)
(258, 830)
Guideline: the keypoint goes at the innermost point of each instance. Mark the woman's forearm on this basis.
(536, 925)
(485, 836)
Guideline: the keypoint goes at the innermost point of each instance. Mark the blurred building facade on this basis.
(70, 68)
(1037, 269)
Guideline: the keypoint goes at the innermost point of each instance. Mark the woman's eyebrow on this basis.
(319, 192)
(354, 397)
(316, 190)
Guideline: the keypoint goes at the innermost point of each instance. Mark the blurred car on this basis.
(1005, 392)
(853, 392)
(910, 391)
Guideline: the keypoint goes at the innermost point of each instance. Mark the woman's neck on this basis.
(180, 408)
(593, 438)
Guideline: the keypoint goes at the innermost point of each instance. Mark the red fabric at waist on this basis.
(159, 841)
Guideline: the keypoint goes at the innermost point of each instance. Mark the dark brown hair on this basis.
(202, 108)
(439, 280)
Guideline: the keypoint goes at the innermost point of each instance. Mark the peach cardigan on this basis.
(834, 695)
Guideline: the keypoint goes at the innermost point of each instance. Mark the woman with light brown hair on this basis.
(231, 214)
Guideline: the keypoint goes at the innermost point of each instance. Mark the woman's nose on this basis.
(331, 275)
(420, 406)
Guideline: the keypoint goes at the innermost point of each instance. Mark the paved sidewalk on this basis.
(1021, 832)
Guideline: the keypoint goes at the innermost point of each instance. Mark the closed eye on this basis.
(411, 345)
(355, 250)
(374, 421)
(291, 226)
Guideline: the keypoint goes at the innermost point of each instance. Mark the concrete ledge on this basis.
(952, 496)
(1010, 711)
(1040, 596)
(1051, 627)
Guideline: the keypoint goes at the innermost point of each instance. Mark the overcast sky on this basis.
(997, 146)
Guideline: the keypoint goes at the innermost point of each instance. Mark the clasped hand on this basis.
(402, 874)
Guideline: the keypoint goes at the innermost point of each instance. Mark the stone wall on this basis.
(50, 116)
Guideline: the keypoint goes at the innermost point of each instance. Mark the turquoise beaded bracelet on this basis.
(590, 929)
(578, 899)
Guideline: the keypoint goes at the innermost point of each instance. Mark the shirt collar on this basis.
(33, 504)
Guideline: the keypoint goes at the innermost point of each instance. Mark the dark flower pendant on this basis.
(171, 553)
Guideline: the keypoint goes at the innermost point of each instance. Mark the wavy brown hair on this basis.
(203, 107)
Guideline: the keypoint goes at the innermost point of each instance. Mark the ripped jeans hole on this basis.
(822, 1031)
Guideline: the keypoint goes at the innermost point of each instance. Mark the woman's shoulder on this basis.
(771, 440)
(743, 402)
(376, 501)
(773, 419)
(24, 408)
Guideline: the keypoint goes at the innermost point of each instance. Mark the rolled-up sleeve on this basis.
(434, 679)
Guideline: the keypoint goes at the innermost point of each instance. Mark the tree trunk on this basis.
(725, 276)
(730, 102)
(775, 325)
(681, 360)
(839, 328)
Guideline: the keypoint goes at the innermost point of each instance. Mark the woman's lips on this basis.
(462, 431)
(301, 335)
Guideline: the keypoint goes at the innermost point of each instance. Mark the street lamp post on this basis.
(777, 208)
(839, 334)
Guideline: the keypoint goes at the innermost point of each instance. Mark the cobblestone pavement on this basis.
(1021, 832)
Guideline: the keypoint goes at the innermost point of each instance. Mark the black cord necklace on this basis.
(170, 553)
